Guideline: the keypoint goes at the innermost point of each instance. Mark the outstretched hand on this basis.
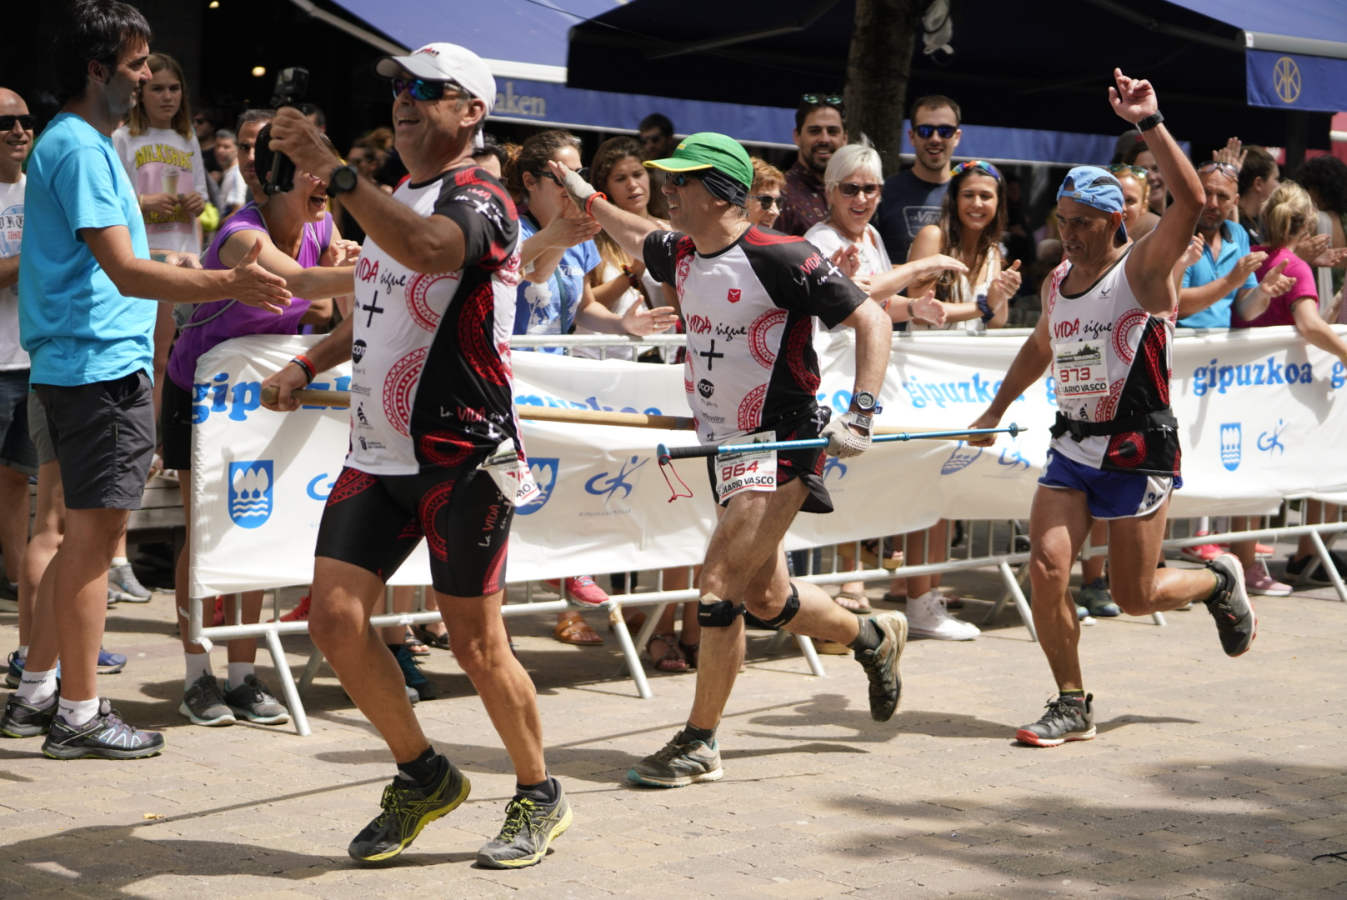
(1133, 99)
(639, 320)
(255, 286)
(1232, 154)
(1274, 283)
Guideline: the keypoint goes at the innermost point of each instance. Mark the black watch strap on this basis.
(343, 178)
(1150, 121)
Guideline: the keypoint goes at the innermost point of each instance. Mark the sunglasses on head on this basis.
(1124, 169)
(25, 122)
(925, 131)
(851, 188)
(420, 89)
(681, 179)
(980, 164)
(822, 99)
(767, 201)
(1224, 168)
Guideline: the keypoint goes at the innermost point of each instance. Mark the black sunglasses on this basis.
(421, 89)
(822, 100)
(945, 131)
(25, 122)
(851, 188)
(767, 201)
(680, 179)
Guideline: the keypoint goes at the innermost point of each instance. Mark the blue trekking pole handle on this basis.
(665, 454)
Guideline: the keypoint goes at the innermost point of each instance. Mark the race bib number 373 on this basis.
(1080, 370)
(747, 471)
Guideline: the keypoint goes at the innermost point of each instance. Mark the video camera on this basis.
(291, 86)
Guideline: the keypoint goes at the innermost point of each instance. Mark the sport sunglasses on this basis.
(979, 164)
(925, 131)
(420, 89)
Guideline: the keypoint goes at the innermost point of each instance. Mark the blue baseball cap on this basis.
(1095, 187)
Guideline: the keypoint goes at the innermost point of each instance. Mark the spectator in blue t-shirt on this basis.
(83, 266)
(1226, 267)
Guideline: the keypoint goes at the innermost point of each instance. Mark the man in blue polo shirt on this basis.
(1226, 266)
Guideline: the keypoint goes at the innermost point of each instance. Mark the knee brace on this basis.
(712, 612)
(788, 611)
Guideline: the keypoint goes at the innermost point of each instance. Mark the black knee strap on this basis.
(712, 612)
(788, 611)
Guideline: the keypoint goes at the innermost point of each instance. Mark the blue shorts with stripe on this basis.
(1110, 495)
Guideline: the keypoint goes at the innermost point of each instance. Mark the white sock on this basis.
(77, 712)
(197, 664)
(120, 561)
(37, 688)
(240, 671)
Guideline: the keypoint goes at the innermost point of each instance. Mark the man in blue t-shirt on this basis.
(1226, 268)
(83, 266)
(913, 198)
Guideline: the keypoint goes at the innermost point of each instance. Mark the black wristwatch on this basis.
(1150, 122)
(342, 179)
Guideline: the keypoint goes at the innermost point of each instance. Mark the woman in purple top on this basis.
(292, 236)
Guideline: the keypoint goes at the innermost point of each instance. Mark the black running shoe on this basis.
(530, 827)
(105, 736)
(23, 719)
(1236, 622)
(1067, 719)
(881, 665)
(407, 808)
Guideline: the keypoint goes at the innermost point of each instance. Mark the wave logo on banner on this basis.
(1232, 442)
(250, 492)
(961, 458)
(544, 469)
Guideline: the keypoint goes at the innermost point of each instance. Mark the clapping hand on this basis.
(848, 259)
(1231, 154)
(1274, 283)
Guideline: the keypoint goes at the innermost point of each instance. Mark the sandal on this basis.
(853, 602)
(430, 638)
(414, 645)
(671, 660)
(573, 629)
(690, 652)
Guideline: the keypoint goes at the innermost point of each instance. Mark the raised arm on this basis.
(628, 229)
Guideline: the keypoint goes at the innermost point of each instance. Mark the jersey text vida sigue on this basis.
(749, 313)
(431, 381)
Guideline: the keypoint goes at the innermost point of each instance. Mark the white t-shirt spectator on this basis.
(12, 356)
(163, 161)
(233, 190)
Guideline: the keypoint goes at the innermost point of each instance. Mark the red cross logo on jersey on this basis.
(733, 295)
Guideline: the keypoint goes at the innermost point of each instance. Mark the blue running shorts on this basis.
(1110, 495)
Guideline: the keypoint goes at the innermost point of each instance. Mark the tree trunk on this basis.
(878, 70)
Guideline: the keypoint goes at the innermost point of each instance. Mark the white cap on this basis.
(445, 62)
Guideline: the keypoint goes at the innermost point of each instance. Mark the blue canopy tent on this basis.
(1269, 72)
(525, 43)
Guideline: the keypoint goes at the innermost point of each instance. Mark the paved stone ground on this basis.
(1210, 777)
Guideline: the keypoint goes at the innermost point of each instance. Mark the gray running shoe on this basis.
(407, 808)
(253, 702)
(105, 736)
(1236, 622)
(1067, 719)
(881, 665)
(1097, 599)
(204, 704)
(678, 765)
(530, 827)
(125, 587)
(22, 719)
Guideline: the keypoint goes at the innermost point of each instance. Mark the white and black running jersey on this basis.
(431, 380)
(1111, 361)
(749, 313)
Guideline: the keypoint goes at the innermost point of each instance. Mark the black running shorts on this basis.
(806, 464)
(375, 521)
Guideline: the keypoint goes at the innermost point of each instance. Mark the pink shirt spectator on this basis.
(1281, 310)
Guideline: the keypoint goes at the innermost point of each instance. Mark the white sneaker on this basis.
(927, 617)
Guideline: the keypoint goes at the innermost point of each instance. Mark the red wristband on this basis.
(307, 366)
(589, 201)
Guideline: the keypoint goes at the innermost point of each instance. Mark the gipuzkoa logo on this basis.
(250, 492)
(544, 470)
(616, 488)
(1231, 445)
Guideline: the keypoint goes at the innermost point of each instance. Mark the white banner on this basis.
(1257, 420)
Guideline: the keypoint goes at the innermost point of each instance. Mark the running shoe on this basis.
(1308, 571)
(927, 617)
(1097, 599)
(252, 702)
(22, 719)
(678, 764)
(15, 671)
(1066, 719)
(300, 613)
(105, 736)
(581, 591)
(14, 674)
(125, 587)
(412, 675)
(407, 808)
(530, 827)
(1202, 552)
(1258, 581)
(110, 663)
(1236, 622)
(204, 704)
(881, 664)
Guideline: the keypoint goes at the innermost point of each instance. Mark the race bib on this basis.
(513, 476)
(746, 471)
(1080, 371)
